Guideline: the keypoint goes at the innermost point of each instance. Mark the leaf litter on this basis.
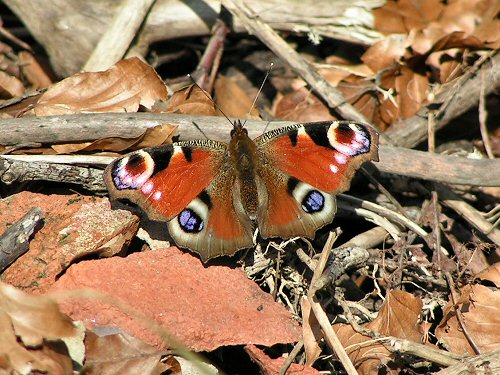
(426, 46)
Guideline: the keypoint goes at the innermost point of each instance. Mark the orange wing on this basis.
(305, 166)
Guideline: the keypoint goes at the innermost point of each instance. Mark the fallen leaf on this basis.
(123, 354)
(25, 322)
(397, 317)
(479, 306)
(191, 100)
(33, 71)
(10, 86)
(302, 106)
(121, 88)
(232, 100)
(271, 366)
(385, 52)
(154, 136)
(34, 318)
(492, 273)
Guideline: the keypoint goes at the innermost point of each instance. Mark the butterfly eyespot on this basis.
(314, 201)
(135, 160)
(190, 222)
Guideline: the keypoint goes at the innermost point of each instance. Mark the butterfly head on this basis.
(239, 130)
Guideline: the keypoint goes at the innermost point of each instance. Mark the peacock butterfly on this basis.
(210, 193)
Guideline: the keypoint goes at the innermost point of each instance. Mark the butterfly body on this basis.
(211, 193)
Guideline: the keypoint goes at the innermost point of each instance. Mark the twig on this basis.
(487, 363)
(302, 67)
(89, 127)
(330, 336)
(16, 171)
(468, 213)
(431, 141)
(483, 117)
(394, 216)
(291, 357)
(120, 33)
(14, 242)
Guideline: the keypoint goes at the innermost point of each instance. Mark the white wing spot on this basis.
(334, 168)
(147, 188)
(340, 158)
(157, 195)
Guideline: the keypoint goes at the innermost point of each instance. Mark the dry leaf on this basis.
(232, 100)
(399, 316)
(33, 72)
(301, 106)
(124, 354)
(479, 306)
(412, 91)
(492, 273)
(10, 86)
(191, 100)
(366, 354)
(154, 136)
(32, 319)
(121, 88)
(385, 52)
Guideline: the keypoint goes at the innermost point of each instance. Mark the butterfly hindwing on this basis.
(189, 185)
(304, 166)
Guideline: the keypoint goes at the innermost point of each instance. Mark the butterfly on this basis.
(211, 194)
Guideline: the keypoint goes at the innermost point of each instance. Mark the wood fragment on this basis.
(14, 242)
(16, 171)
(89, 127)
(117, 38)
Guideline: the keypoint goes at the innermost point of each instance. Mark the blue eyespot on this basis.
(190, 222)
(314, 201)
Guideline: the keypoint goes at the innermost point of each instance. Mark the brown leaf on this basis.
(124, 354)
(366, 354)
(121, 88)
(479, 306)
(399, 316)
(405, 15)
(301, 106)
(33, 71)
(271, 366)
(385, 52)
(154, 136)
(191, 100)
(492, 273)
(34, 317)
(232, 100)
(412, 91)
(10, 86)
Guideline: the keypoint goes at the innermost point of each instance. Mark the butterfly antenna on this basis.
(260, 90)
(210, 98)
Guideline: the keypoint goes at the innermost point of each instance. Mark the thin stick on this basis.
(483, 117)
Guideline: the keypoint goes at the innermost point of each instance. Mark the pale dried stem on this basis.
(116, 40)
